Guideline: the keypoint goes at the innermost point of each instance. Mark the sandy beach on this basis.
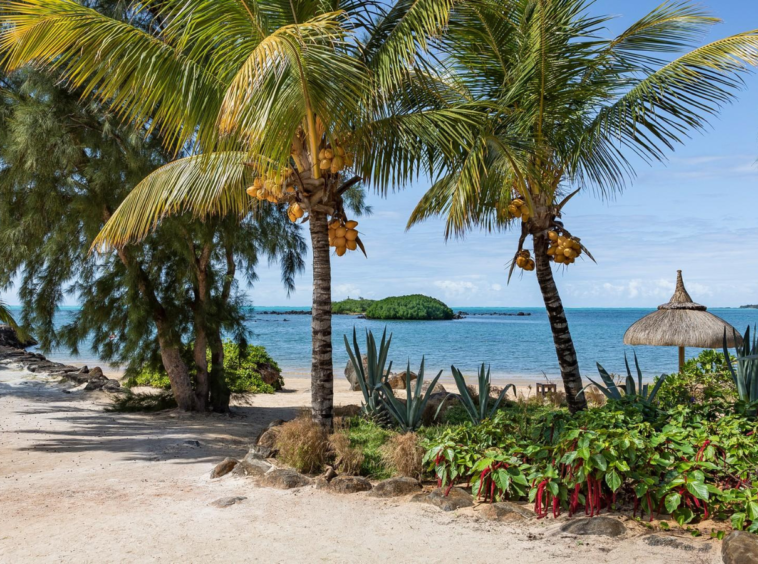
(79, 484)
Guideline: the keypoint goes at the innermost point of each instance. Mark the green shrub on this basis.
(703, 378)
(134, 403)
(413, 307)
(242, 370)
(351, 306)
(693, 461)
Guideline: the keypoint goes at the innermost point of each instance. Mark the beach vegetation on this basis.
(348, 459)
(369, 438)
(703, 378)
(629, 391)
(478, 408)
(404, 454)
(303, 445)
(268, 106)
(745, 373)
(7, 317)
(564, 108)
(413, 307)
(351, 306)
(408, 413)
(244, 368)
(142, 403)
(373, 375)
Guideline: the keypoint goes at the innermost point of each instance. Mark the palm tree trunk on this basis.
(322, 376)
(564, 345)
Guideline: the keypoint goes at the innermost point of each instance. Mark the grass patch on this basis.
(369, 438)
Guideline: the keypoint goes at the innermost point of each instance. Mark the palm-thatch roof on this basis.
(681, 323)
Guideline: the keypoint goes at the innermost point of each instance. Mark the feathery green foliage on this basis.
(7, 317)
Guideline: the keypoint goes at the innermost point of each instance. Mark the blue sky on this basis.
(698, 212)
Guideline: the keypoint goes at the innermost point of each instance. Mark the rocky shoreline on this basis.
(458, 315)
(17, 356)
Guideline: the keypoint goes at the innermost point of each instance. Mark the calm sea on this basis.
(515, 347)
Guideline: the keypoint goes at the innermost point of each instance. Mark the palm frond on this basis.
(204, 185)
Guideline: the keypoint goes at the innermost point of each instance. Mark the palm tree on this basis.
(297, 100)
(7, 317)
(564, 110)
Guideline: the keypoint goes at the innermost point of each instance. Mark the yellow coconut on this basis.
(251, 191)
(258, 183)
(552, 235)
(325, 164)
(297, 210)
(340, 231)
(338, 162)
(351, 235)
(328, 153)
(351, 224)
(341, 251)
(551, 251)
(521, 262)
(340, 241)
(322, 154)
(352, 245)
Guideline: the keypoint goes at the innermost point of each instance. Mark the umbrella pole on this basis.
(681, 359)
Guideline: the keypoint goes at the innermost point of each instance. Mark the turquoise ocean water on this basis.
(515, 347)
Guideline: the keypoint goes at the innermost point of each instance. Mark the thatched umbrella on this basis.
(681, 323)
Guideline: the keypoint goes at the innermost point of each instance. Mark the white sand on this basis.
(78, 484)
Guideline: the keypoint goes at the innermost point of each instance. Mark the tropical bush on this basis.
(351, 306)
(745, 374)
(693, 462)
(242, 370)
(702, 378)
(413, 307)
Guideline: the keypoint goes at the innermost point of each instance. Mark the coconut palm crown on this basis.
(564, 110)
(288, 102)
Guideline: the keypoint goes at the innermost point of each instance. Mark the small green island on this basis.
(415, 307)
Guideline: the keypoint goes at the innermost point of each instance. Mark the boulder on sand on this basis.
(456, 499)
(507, 511)
(396, 487)
(397, 380)
(352, 376)
(346, 484)
(603, 526)
(740, 548)
(284, 479)
(224, 467)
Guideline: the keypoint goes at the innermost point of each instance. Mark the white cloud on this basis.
(454, 289)
(496, 287)
(342, 291)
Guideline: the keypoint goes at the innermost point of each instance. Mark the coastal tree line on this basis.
(508, 107)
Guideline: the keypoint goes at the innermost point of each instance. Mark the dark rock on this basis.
(224, 467)
(252, 466)
(268, 438)
(270, 375)
(429, 415)
(284, 479)
(261, 452)
(83, 370)
(673, 542)
(96, 372)
(8, 338)
(95, 383)
(112, 386)
(438, 388)
(352, 376)
(347, 484)
(227, 501)
(396, 487)
(605, 526)
(507, 511)
(397, 380)
(740, 548)
(456, 499)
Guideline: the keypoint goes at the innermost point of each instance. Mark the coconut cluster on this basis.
(272, 187)
(343, 236)
(518, 208)
(524, 260)
(564, 250)
(334, 159)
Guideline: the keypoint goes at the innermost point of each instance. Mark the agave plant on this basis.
(638, 392)
(408, 415)
(745, 375)
(371, 377)
(479, 410)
